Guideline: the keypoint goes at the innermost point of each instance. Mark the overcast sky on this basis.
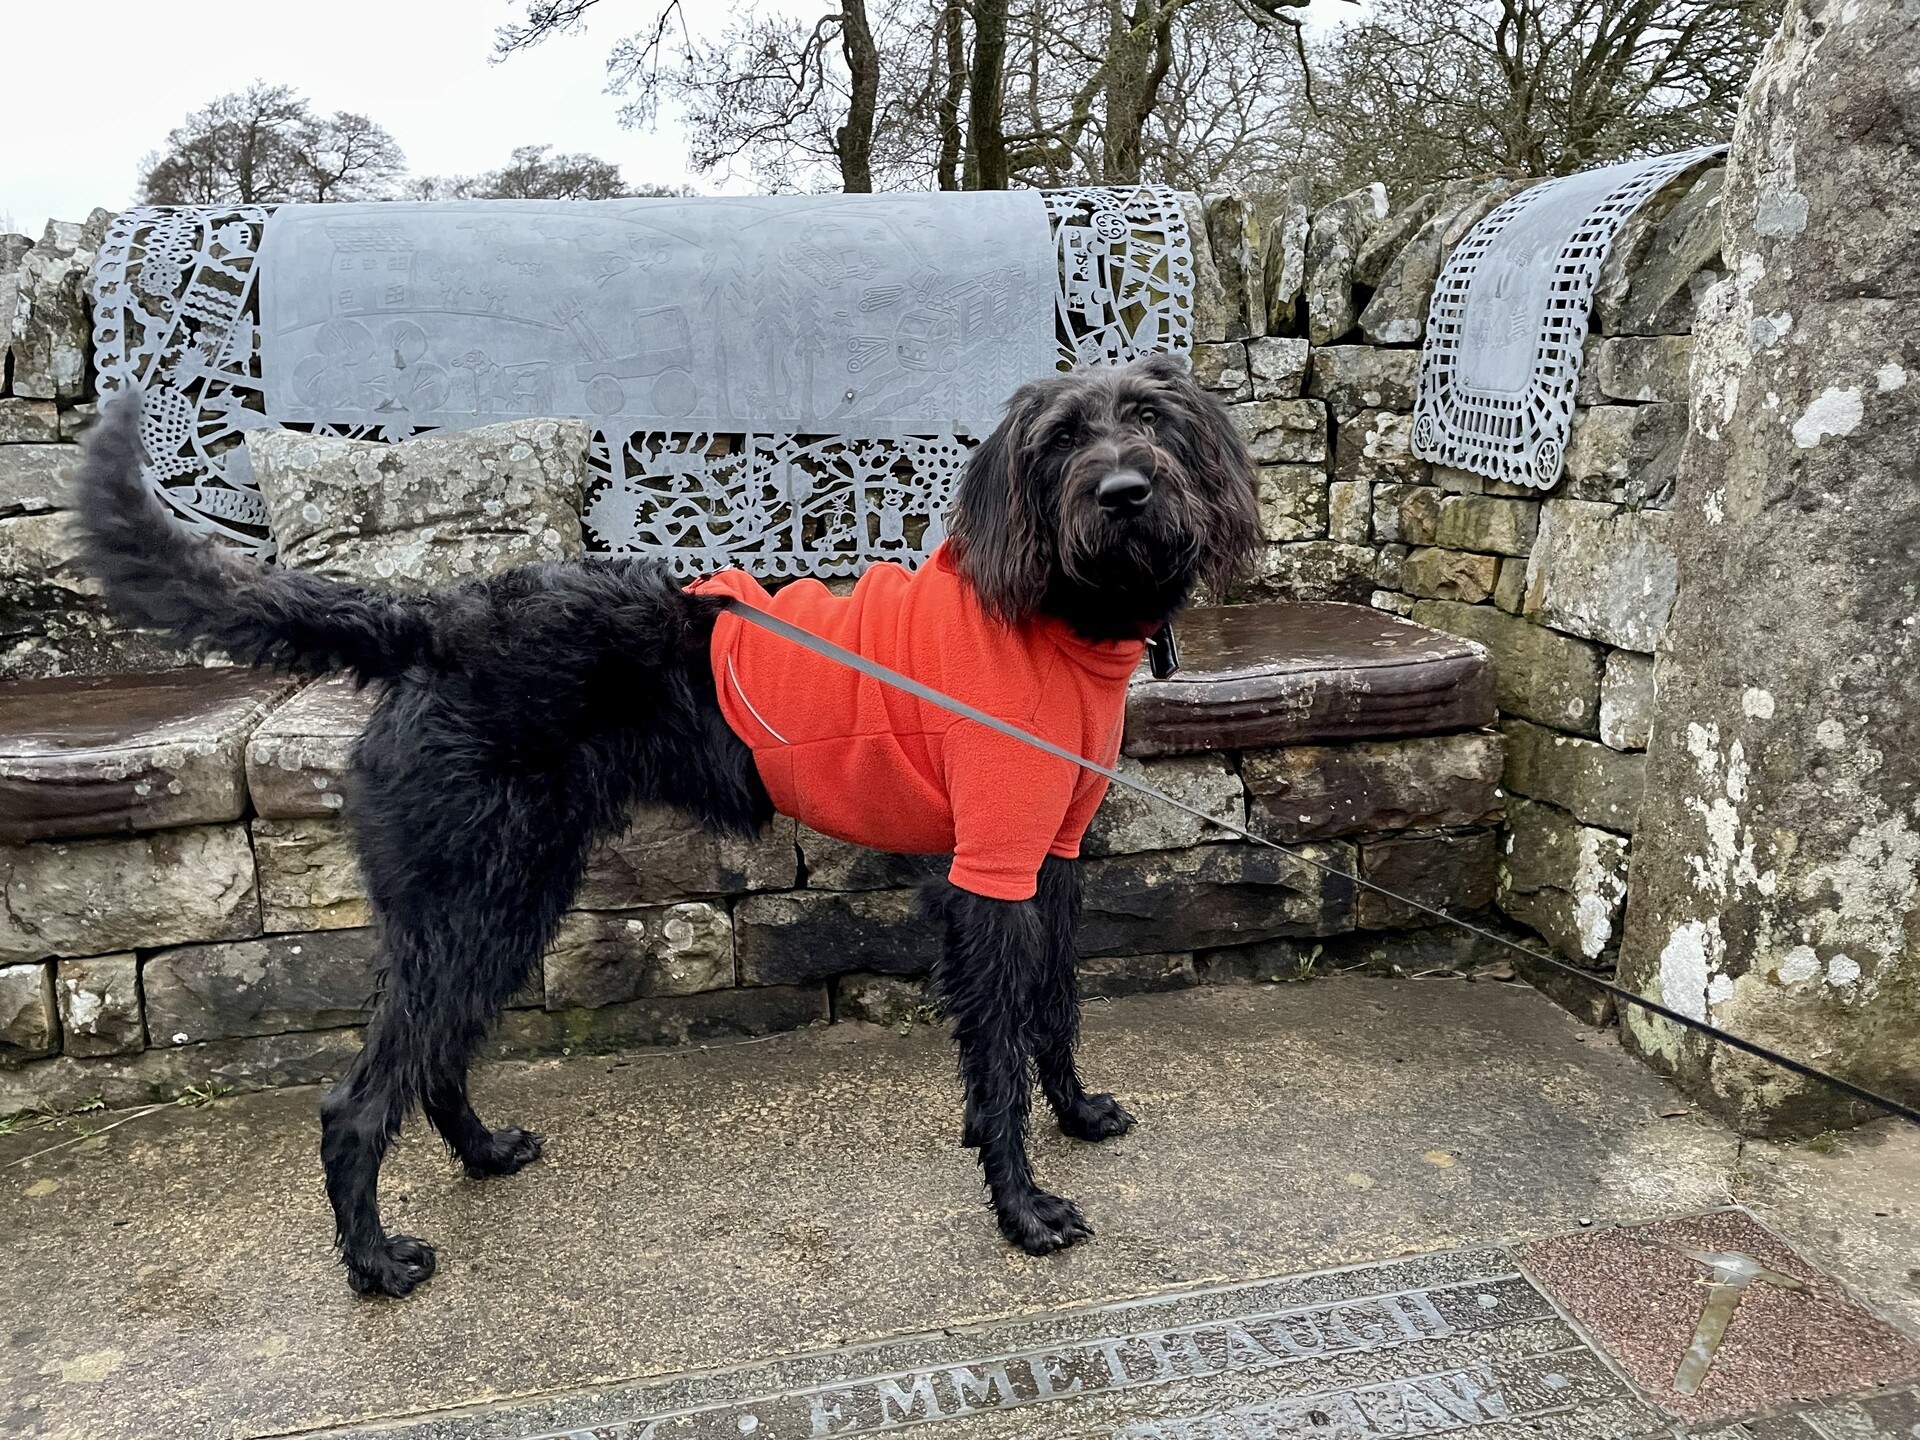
(93, 85)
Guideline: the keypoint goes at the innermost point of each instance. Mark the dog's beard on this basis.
(1122, 577)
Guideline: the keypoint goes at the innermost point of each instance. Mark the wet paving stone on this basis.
(1459, 1344)
(1641, 1295)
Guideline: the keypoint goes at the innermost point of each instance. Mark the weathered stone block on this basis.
(1392, 602)
(1334, 240)
(1279, 365)
(1405, 514)
(665, 855)
(1391, 235)
(1221, 367)
(1645, 367)
(1316, 570)
(1352, 378)
(90, 897)
(1285, 269)
(1403, 951)
(444, 508)
(99, 1001)
(1397, 312)
(1377, 445)
(40, 553)
(74, 419)
(838, 865)
(1350, 511)
(1626, 700)
(1566, 880)
(309, 878)
(1231, 235)
(1600, 786)
(610, 957)
(1625, 453)
(1487, 523)
(1436, 574)
(1312, 792)
(29, 1023)
(1538, 673)
(1128, 822)
(1602, 573)
(1293, 502)
(1282, 432)
(35, 478)
(27, 422)
(891, 1000)
(260, 987)
(1216, 315)
(1510, 589)
(806, 935)
(51, 325)
(1211, 895)
(155, 1076)
(1105, 977)
(666, 1020)
(1643, 287)
(98, 755)
(1465, 482)
(299, 757)
(1445, 872)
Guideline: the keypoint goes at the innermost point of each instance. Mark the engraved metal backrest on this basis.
(177, 314)
(1508, 322)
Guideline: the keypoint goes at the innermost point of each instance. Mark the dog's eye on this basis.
(1064, 439)
(1147, 416)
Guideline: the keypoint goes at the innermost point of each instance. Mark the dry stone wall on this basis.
(237, 949)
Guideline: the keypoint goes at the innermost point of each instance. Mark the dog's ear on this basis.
(1226, 484)
(999, 540)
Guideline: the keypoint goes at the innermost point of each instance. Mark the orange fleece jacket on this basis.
(863, 762)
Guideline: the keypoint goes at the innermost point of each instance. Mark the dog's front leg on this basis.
(985, 978)
(1056, 1011)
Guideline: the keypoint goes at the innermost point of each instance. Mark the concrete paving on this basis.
(702, 1210)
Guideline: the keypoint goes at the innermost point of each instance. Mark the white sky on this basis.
(90, 86)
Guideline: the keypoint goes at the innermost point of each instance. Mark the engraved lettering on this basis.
(1469, 1395)
(908, 1401)
(1048, 1372)
(977, 1391)
(825, 1410)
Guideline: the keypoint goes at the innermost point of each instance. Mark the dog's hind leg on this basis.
(984, 980)
(1055, 1011)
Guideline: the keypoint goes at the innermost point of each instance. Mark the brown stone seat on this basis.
(1253, 676)
(117, 754)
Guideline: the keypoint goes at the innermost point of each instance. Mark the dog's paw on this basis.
(1097, 1117)
(1040, 1223)
(392, 1268)
(506, 1151)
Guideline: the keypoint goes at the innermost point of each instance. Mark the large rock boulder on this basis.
(435, 511)
(1776, 864)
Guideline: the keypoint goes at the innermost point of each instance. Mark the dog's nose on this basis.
(1124, 491)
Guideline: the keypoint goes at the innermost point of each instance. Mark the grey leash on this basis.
(807, 640)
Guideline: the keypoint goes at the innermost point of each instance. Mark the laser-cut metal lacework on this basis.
(1509, 321)
(177, 314)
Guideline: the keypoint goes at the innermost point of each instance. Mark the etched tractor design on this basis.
(662, 352)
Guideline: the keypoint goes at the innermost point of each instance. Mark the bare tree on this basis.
(532, 173)
(265, 145)
(1426, 90)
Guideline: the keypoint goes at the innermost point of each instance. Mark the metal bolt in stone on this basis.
(1732, 1273)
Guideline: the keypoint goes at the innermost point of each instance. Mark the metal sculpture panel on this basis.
(705, 458)
(1508, 323)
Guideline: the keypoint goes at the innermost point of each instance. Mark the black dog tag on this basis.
(1163, 655)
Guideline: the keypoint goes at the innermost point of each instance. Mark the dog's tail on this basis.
(157, 573)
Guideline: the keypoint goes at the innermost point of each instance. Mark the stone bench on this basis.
(184, 908)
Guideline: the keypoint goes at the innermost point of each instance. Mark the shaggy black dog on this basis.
(523, 717)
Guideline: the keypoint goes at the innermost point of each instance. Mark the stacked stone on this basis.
(1569, 590)
(51, 619)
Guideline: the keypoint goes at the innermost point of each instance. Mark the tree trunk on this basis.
(987, 167)
(954, 45)
(854, 140)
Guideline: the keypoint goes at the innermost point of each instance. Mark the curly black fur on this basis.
(524, 716)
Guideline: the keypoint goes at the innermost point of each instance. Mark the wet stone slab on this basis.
(1459, 1344)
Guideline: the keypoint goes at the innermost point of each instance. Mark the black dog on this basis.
(523, 717)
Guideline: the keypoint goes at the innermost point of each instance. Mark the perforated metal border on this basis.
(176, 312)
(1523, 440)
